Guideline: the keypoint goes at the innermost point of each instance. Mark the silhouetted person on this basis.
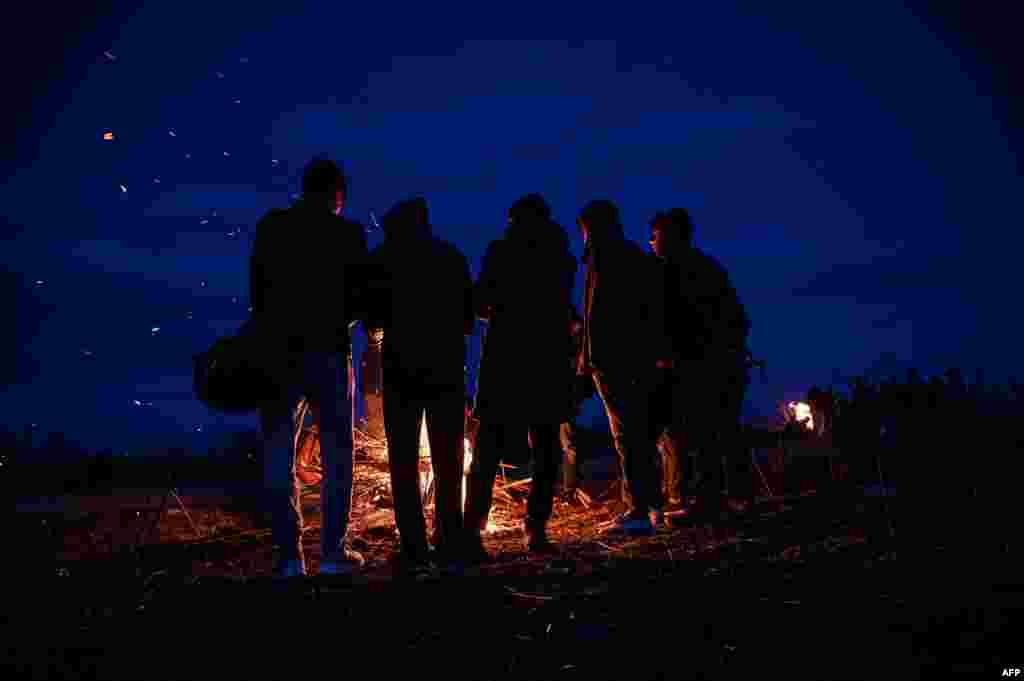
(625, 347)
(304, 277)
(700, 405)
(420, 295)
(523, 292)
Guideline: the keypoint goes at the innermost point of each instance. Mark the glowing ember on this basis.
(108, 136)
(801, 412)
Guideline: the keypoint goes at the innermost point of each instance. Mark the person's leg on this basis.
(626, 403)
(492, 440)
(329, 402)
(445, 426)
(403, 411)
(665, 412)
(546, 454)
(570, 465)
(280, 484)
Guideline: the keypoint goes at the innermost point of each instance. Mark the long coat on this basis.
(524, 291)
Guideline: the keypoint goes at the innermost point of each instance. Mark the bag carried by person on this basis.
(239, 373)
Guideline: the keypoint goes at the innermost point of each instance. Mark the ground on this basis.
(813, 587)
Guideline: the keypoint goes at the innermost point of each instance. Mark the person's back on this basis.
(304, 272)
(305, 276)
(421, 296)
(526, 280)
(623, 300)
(720, 324)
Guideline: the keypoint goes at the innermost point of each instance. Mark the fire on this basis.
(801, 412)
(467, 462)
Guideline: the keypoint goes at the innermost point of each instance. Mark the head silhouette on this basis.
(406, 218)
(671, 232)
(529, 208)
(599, 220)
(324, 183)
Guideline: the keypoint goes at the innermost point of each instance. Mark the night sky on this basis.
(853, 168)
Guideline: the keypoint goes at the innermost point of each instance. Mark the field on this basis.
(817, 585)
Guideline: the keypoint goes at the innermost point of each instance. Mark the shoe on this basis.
(291, 568)
(633, 524)
(450, 563)
(344, 564)
(536, 540)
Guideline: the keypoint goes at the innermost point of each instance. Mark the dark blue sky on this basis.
(854, 168)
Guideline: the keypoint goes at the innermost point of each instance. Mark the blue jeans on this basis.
(322, 379)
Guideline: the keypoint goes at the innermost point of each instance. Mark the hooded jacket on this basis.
(524, 291)
(420, 293)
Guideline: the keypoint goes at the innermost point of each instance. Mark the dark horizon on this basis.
(855, 171)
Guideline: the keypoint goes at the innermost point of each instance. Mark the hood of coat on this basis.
(537, 234)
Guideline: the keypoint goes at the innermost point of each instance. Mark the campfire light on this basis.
(467, 462)
(801, 412)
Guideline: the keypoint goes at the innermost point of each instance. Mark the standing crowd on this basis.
(662, 340)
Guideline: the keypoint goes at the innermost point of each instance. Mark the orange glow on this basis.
(108, 136)
(468, 461)
(802, 414)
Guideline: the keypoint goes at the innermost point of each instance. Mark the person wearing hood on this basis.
(420, 299)
(624, 349)
(523, 292)
(304, 286)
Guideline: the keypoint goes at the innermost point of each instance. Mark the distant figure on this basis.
(523, 291)
(708, 328)
(624, 347)
(304, 272)
(420, 296)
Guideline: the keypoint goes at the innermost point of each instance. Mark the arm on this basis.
(656, 314)
(375, 300)
(356, 284)
(485, 291)
(469, 314)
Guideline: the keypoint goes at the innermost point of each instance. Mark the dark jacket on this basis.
(305, 277)
(524, 291)
(421, 294)
(623, 307)
(705, 319)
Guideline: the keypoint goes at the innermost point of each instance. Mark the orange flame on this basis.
(802, 414)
